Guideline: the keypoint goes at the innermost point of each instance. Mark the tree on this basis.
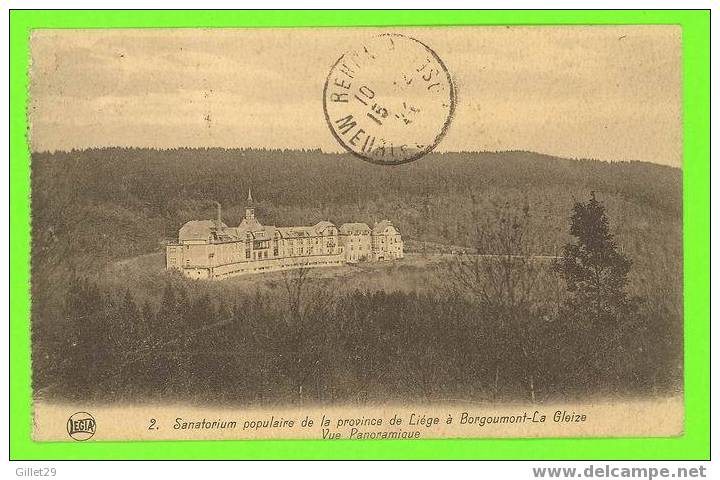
(293, 336)
(598, 310)
(595, 271)
(501, 274)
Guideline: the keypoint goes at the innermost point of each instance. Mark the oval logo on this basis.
(81, 426)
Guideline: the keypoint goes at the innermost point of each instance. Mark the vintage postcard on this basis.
(356, 233)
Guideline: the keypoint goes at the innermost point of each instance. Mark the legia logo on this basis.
(81, 426)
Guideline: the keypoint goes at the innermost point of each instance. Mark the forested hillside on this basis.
(115, 203)
(92, 208)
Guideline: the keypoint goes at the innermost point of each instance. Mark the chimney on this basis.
(219, 213)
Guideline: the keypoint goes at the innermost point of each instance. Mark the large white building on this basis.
(209, 249)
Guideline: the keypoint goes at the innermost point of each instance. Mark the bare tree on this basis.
(501, 274)
(296, 340)
(294, 282)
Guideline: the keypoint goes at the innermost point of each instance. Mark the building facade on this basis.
(209, 249)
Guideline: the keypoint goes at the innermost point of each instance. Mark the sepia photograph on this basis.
(356, 233)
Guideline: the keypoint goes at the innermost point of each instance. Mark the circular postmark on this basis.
(389, 101)
(81, 426)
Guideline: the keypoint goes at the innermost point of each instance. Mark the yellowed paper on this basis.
(357, 233)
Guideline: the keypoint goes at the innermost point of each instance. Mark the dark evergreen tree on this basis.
(602, 324)
(595, 271)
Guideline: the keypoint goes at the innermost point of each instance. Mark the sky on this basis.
(609, 93)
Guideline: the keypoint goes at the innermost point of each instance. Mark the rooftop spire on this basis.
(249, 209)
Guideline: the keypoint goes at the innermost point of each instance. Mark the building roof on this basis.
(381, 226)
(251, 225)
(320, 226)
(346, 228)
(217, 231)
(261, 232)
(296, 232)
(200, 229)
